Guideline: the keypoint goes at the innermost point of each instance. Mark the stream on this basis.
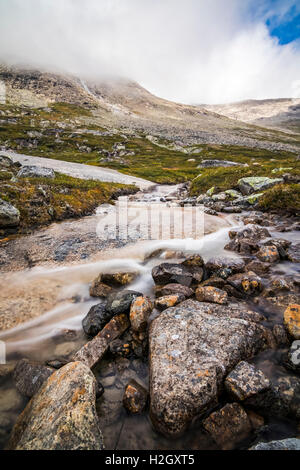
(46, 299)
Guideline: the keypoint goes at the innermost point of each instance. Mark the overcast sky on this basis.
(192, 51)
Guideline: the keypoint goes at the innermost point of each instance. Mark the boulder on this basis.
(62, 415)
(228, 426)
(258, 267)
(32, 171)
(168, 301)
(268, 254)
(245, 381)
(193, 346)
(95, 320)
(285, 444)
(211, 294)
(222, 266)
(120, 302)
(218, 164)
(167, 273)
(30, 376)
(292, 320)
(135, 397)
(172, 289)
(9, 215)
(257, 183)
(140, 311)
(93, 351)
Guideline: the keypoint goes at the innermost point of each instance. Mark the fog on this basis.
(192, 51)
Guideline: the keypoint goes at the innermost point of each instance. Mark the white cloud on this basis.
(194, 51)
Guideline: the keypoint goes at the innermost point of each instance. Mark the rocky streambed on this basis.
(178, 344)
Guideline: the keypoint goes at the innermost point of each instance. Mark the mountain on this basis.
(123, 104)
(282, 114)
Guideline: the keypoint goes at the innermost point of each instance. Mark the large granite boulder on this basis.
(193, 346)
(285, 444)
(62, 415)
(257, 183)
(9, 215)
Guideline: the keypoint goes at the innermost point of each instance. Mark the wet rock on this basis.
(120, 348)
(193, 260)
(192, 347)
(29, 376)
(228, 426)
(293, 253)
(99, 289)
(293, 357)
(120, 302)
(211, 294)
(197, 273)
(268, 254)
(280, 335)
(56, 363)
(135, 398)
(167, 273)
(292, 320)
(258, 267)
(285, 444)
(27, 171)
(118, 279)
(62, 415)
(245, 381)
(214, 281)
(93, 351)
(9, 215)
(257, 183)
(220, 264)
(99, 389)
(168, 301)
(172, 289)
(95, 320)
(140, 311)
(251, 231)
(244, 246)
(249, 283)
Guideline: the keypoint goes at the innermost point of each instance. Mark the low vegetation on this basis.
(283, 197)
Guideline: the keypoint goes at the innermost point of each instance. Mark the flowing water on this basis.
(57, 333)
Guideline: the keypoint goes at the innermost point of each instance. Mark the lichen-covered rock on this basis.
(293, 253)
(249, 283)
(93, 351)
(135, 397)
(220, 263)
(228, 426)
(285, 444)
(29, 376)
(245, 381)
(257, 183)
(140, 312)
(120, 302)
(193, 260)
(173, 289)
(119, 279)
(9, 215)
(99, 289)
(168, 301)
(62, 415)
(95, 320)
(167, 273)
(292, 320)
(268, 254)
(31, 171)
(211, 294)
(192, 347)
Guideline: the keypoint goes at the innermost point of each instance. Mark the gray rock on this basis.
(294, 253)
(245, 381)
(192, 348)
(219, 263)
(29, 376)
(173, 289)
(293, 357)
(95, 320)
(285, 444)
(35, 172)
(9, 215)
(62, 415)
(218, 164)
(6, 162)
(121, 302)
(167, 273)
(257, 183)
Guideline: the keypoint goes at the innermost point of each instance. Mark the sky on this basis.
(190, 51)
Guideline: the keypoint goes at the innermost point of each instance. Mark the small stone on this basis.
(99, 289)
(29, 376)
(193, 260)
(140, 311)
(258, 267)
(135, 397)
(228, 426)
(293, 357)
(99, 389)
(9, 215)
(118, 279)
(172, 289)
(235, 265)
(211, 294)
(168, 301)
(292, 320)
(120, 302)
(268, 254)
(293, 253)
(35, 172)
(167, 273)
(245, 381)
(280, 335)
(95, 320)
(248, 283)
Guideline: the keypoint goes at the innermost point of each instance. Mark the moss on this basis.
(283, 197)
